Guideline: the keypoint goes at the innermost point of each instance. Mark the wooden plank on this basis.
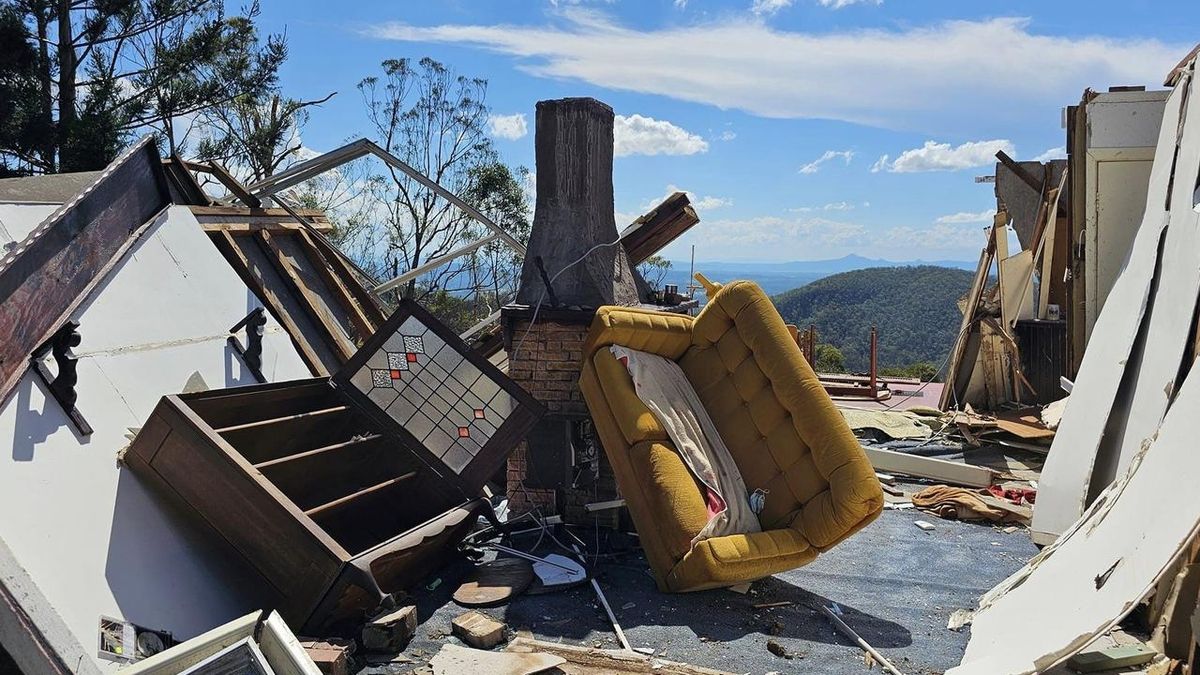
(271, 439)
(1014, 166)
(184, 188)
(45, 277)
(235, 188)
(954, 473)
(225, 407)
(351, 279)
(361, 321)
(950, 391)
(1024, 424)
(658, 227)
(591, 661)
(1046, 269)
(276, 421)
(335, 334)
(357, 440)
(247, 212)
(318, 479)
(325, 508)
(253, 277)
(249, 224)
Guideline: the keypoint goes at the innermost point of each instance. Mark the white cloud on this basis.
(937, 237)
(705, 203)
(708, 202)
(936, 77)
(769, 7)
(943, 157)
(639, 135)
(743, 237)
(839, 4)
(1053, 153)
(510, 127)
(727, 135)
(967, 217)
(829, 155)
(839, 206)
(831, 206)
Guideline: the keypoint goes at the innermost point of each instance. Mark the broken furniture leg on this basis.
(607, 610)
(834, 615)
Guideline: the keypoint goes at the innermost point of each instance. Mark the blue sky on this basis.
(776, 115)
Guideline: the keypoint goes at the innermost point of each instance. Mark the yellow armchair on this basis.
(782, 429)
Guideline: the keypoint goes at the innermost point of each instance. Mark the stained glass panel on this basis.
(435, 392)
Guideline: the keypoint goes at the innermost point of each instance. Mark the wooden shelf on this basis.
(318, 451)
(343, 501)
(283, 420)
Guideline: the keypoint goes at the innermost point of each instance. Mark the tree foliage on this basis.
(654, 270)
(436, 121)
(829, 359)
(914, 308)
(79, 77)
(255, 134)
(922, 370)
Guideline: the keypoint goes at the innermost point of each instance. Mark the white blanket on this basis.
(665, 390)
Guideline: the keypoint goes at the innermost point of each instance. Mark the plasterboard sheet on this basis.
(1170, 315)
(1096, 573)
(173, 286)
(81, 525)
(1016, 291)
(1066, 477)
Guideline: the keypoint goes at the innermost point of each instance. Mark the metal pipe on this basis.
(434, 264)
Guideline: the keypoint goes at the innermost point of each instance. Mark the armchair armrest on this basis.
(661, 333)
(636, 421)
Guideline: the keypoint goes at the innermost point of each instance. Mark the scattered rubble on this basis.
(478, 630)
(332, 656)
(391, 631)
(292, 439)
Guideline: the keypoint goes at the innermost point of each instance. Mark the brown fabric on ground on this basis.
(957, 503)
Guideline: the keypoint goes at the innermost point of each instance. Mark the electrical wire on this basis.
(542, 298)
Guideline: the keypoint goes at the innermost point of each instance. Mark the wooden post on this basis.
(574, 214)
(874, 361)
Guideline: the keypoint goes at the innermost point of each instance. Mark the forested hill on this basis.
(914, 308)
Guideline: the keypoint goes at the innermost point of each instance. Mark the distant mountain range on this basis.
(914, 307)
(777, 277)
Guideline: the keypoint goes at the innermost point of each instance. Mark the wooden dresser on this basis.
(338, 491)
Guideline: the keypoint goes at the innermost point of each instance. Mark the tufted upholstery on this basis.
(782, 429)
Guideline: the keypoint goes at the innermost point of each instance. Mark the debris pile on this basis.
(406, 498)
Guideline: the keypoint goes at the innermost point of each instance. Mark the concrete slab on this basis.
(897, 585)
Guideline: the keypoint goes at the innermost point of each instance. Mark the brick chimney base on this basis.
(548, 364)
